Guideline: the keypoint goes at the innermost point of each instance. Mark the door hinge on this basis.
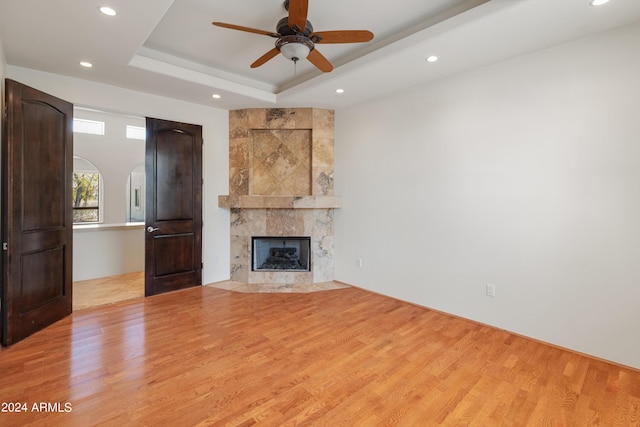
(202, 265)
(5, 246)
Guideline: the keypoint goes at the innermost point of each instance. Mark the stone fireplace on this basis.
(281, 191)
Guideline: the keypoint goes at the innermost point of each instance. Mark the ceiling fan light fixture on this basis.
(294, 51)
(294, 47)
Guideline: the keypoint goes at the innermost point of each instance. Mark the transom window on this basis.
(92, 127)
(136, 132)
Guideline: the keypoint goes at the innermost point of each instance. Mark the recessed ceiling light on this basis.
(107, 11)
(432, 58)
(339, 90)
(216, 96)
(86, 64)
(598, 2)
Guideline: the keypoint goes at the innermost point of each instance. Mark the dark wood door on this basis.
(173, 243)
(37, 219)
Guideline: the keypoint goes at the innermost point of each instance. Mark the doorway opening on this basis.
(108, 252)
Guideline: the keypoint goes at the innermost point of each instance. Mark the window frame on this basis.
(100, 198)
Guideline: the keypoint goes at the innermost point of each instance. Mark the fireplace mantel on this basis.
(280, 202)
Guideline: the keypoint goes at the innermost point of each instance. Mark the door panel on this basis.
(42, 161)
(173, 243)
(40, 267)
(174, 170)
(37, 221)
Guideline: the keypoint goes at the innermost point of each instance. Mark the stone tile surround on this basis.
(281, 184)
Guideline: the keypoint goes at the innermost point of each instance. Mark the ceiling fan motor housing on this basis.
(284, 29)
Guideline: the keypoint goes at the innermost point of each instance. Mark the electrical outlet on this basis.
(491, 290)
(359, 262)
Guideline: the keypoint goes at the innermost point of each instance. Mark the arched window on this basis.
(135, 194)
(86, 192)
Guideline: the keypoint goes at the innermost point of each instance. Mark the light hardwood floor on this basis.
(213, 357)
(107, 290)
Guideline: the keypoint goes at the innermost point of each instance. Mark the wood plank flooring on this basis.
(212, 357)
(107, 290)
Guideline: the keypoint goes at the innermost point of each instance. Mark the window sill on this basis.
(108, 227)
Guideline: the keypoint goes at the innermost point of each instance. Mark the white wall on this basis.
(107, 252)
(215, 124)
(526, 175)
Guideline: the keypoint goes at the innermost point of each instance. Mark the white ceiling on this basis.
(170, 48)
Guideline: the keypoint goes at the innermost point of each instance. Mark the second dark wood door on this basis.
(173, 243)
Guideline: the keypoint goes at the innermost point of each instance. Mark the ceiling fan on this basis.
(296, 39)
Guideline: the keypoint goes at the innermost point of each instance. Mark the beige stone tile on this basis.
(300, 278)
(298, 287)
(256, 277)
(304, 118)
(280, 118)
(264, 182)
(257, 219)
(251, 202)
(239, 224)
(322, 153)
(328, 202)
(239, 153)
(283, 222)
(238, 124)
(238, 181)
(227, 201)
(322, 184)
(281, 162)
(256, 118)
(308, 202)
(278, 203)
(323, 222)
(323, 123)
(239, 273)
(240, 247)
(281, 277)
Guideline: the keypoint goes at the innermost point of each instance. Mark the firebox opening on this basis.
(281, 253)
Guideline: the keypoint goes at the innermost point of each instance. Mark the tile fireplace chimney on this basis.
(281, 185)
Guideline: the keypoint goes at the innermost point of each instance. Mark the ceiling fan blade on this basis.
(298, 10)
(264, 58)
(247, 29)
(346, 36)
(317, 59)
